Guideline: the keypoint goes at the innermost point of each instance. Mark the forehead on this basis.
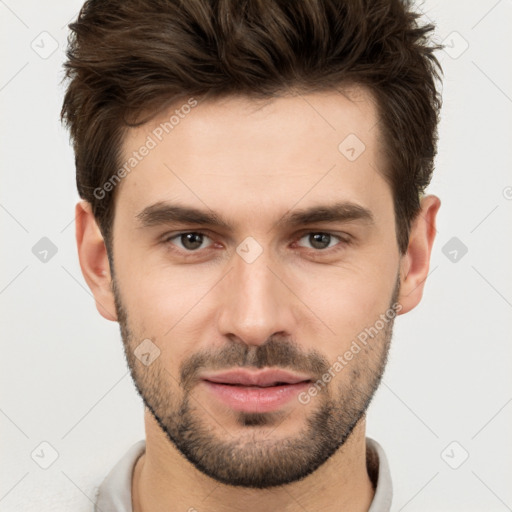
(244, 156)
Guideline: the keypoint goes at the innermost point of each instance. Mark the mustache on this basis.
(277, 352)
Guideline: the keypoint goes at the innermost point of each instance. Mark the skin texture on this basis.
(297, 305)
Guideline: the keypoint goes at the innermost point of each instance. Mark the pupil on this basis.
(317, 239)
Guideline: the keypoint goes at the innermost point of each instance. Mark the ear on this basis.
(94, 263)
(415, 263)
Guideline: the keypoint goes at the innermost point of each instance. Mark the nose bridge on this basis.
(255, 304)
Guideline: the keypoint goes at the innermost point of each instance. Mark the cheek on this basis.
(347, 302)
(168, 305)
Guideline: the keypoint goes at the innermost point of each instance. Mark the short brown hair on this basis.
(127, 58)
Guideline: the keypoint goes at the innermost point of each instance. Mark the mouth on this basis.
(262, 391)
(274, 384)
(262, 378)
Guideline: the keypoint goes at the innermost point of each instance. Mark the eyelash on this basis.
(344, 241)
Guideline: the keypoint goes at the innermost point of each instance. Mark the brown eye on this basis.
(321, 241)
(190, 241)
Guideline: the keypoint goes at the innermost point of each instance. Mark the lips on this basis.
(262, 378)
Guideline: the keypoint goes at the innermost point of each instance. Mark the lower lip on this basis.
(253, 398)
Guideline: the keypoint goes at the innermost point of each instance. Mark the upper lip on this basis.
(261, 378)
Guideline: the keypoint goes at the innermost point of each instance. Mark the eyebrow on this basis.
(163, 213)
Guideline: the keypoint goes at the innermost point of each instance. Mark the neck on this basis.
(164, 480)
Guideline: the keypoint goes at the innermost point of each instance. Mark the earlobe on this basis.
(92, 254)
(415, 263)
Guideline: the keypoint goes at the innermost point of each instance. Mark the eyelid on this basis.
(341, 234)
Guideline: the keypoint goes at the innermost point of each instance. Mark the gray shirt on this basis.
(115, 492)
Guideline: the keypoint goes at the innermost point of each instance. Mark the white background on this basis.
(63, 375)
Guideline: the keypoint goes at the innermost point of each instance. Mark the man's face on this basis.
(263, 290)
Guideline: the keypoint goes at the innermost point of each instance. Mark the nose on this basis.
(255, 301)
